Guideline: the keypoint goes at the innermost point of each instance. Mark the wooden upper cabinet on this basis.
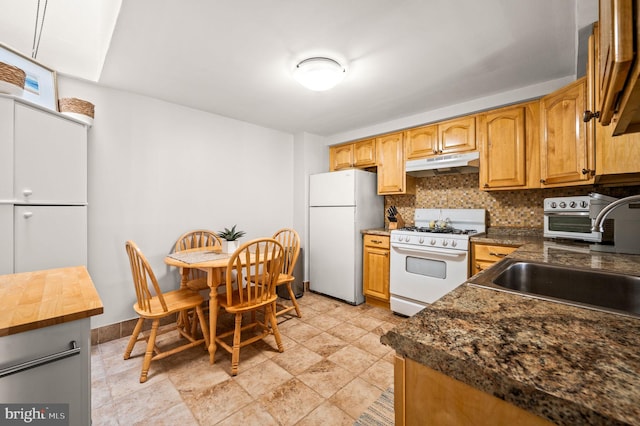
(365, 153)
(341, 157)
(457, 135)
(422, 142)
(508, 140)
(567, 152)
(616, 54)
(392, 178)
(617, 157)
(359, 154)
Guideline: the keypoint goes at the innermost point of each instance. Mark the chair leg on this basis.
(293, 300)
(213, 324)
(203, 326)
(146, 363)
(134, 338)
(235, 354)
(274, 327)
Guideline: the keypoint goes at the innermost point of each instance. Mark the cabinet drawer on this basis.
(380, 241)
(491, 253)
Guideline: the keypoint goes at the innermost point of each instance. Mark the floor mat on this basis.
(380, 413)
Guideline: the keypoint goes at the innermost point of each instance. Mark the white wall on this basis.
(470, 107)
(311, 156)
(158, 169)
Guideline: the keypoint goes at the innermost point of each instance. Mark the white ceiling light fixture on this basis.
(319, 73)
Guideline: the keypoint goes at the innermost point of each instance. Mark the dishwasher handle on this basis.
(73, 350)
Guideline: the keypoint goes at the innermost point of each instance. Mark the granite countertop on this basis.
(32, 300)
(567, 364)
(377, 231)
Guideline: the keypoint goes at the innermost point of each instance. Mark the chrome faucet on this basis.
(596, 224)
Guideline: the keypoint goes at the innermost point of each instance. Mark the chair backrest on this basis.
(143, 278)
(256, 265)
(290, 241)
(198, 238)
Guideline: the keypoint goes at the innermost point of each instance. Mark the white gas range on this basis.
(430, 259)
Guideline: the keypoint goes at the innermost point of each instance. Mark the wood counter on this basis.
(32, 300)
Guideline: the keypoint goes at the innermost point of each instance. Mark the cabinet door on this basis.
(50, 158)
(365, 153)
(615, 53)
(60, 372)
(457, 135)
(6, 239)
(421, 142)
(566, 154)
(502, 147)
(48, 237)
(341, 157)
(391, 174)
(376, 267)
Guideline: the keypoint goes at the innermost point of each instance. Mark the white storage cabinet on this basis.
(43, 189)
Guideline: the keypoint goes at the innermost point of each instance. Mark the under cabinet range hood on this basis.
(446, 164)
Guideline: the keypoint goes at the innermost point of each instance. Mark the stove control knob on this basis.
(454, 243)
(563, 204)
(553, 204)
(445, 243)
(400, 238)
(573, 204)
(421, 240)
(407, 238)
(432, 242)
(584, 204)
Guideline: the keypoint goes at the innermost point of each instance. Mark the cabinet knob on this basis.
(588, 115)
(486, 185)
(586, 171)
(543, 181)
(27, 192)
(27, 215)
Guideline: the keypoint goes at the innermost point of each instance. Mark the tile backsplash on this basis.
(518, 209)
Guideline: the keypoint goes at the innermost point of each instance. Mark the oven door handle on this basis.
(448, 253)
(566, 213)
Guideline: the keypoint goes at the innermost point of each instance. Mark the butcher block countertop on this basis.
(570, 365)
(32, 300)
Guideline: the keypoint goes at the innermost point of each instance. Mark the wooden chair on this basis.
(197, 280)
(256, 265)
(157, 307)
(290, 241)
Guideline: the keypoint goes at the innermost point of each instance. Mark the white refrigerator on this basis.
(341, 205)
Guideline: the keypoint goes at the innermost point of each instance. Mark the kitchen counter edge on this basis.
(33, 300)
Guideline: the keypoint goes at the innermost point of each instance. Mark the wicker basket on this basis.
(77, 106)
(10, 75)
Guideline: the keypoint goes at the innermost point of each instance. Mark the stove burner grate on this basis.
(447, 230)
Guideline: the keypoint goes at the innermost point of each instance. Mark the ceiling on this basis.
(235, 58)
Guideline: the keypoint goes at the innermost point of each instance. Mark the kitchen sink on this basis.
(607, 291)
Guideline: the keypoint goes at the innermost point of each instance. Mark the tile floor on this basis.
(333, 367)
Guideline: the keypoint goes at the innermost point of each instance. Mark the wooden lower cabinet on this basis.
(485, 255)
(423, 396)
(376, 270)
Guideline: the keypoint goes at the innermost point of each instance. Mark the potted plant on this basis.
(230, 237)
